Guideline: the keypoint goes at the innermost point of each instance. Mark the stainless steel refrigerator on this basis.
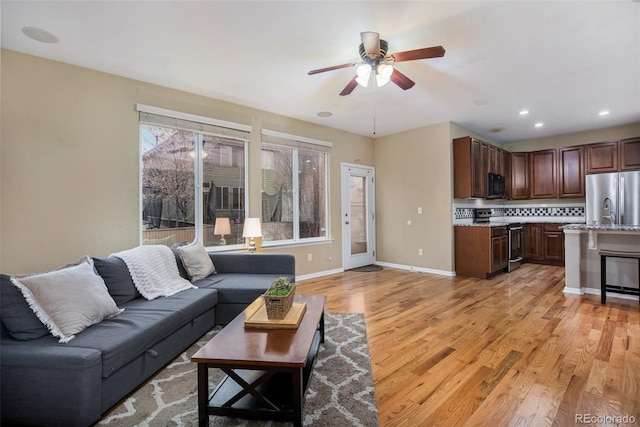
(613, 198)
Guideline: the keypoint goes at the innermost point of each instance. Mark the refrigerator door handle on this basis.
(621, 203)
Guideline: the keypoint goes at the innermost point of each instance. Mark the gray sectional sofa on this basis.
(47, 383)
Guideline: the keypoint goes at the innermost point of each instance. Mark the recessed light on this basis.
(604, 113)
(40, 35)
(524, 112)
(539, 124)
(325, 114)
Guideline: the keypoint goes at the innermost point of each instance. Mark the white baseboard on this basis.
(592, 291)
(417, 269)
(319, 274)
(384, 264)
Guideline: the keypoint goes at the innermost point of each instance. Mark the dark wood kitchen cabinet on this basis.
(571, 171)
(543, 244)
(552, 244)
(532, 242)
(480, 251)
(519, 176)
(602, 157)
(542, 174)
(485, 163)
(470, 168)
(629, 154)
(506, 168)
(499, 248)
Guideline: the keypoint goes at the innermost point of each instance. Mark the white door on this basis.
(358, 216)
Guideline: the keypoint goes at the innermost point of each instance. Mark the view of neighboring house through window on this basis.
(294, 188)
(192, 174)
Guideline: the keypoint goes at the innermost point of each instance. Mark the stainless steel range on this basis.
(514, 231)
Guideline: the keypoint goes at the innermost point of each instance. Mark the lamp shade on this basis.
(252, 228)
(383, 74)
(363, 73)
(222, 227)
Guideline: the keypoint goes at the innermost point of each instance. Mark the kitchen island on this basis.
(582, 259)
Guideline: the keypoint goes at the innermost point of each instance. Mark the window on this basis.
(193, 173)
(294, 188)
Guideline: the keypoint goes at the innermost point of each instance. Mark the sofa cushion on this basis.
(17, 317)
(68, 300)
(181, 269)
(196, 261)
(116, 276)
(238, 288)
(143, 324)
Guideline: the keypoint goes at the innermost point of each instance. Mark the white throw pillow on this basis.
(196, 261)
(68, 300)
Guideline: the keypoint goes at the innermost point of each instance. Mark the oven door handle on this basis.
(515, 228)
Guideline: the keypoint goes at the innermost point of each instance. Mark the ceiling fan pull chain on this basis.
(375, 109)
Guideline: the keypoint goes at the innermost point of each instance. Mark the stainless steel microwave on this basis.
(496, 185)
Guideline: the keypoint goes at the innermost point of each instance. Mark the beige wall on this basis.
(70, 162)
(69, 169)
(414, 169)
(458, 131)
(578, 138)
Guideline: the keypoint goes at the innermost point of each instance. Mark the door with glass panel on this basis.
(358, 215)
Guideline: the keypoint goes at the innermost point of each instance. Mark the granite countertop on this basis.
(482, 224)
(531, 220)
(585, 227)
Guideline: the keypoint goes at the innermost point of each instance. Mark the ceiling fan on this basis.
(375, 60)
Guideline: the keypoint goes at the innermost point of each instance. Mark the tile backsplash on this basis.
(557, 211)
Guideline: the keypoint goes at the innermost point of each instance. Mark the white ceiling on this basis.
(565, 61)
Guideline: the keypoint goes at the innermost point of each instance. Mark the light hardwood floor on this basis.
(513, 350)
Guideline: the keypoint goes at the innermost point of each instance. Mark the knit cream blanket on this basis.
(154, 271)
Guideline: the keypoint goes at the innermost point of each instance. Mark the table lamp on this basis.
(222, 227)
(252, 229)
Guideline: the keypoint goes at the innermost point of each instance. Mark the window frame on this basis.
(295, 143)
(200, 126)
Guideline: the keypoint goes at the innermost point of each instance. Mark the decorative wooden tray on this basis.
(256, 316)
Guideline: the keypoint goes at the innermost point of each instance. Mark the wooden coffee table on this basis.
(267, 370)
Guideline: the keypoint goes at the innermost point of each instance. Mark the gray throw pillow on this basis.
(196, 261)
(68, 300)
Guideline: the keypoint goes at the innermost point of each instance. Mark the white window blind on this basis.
(184, 121)
(279, 138)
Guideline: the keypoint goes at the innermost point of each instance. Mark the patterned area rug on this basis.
(340, 392)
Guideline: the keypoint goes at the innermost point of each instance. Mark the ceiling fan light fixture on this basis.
(364, 73)
(383, 74)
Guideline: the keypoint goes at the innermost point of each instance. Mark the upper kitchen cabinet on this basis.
(506, 168)
(519, 176)
(602, 157)
(629, 154)
(571, 171)
(471, 159)
(542, 169)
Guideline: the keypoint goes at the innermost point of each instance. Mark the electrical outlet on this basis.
(420, 252)
(420, 210)
(309, 257)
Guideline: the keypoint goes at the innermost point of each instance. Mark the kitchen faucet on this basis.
(607, 211)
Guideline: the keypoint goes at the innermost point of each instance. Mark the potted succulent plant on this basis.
(279, 298)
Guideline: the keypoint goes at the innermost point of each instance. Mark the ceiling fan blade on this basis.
(349, 87)
(371, 43)
(335, 67)
(401, 80)
(424, 53)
